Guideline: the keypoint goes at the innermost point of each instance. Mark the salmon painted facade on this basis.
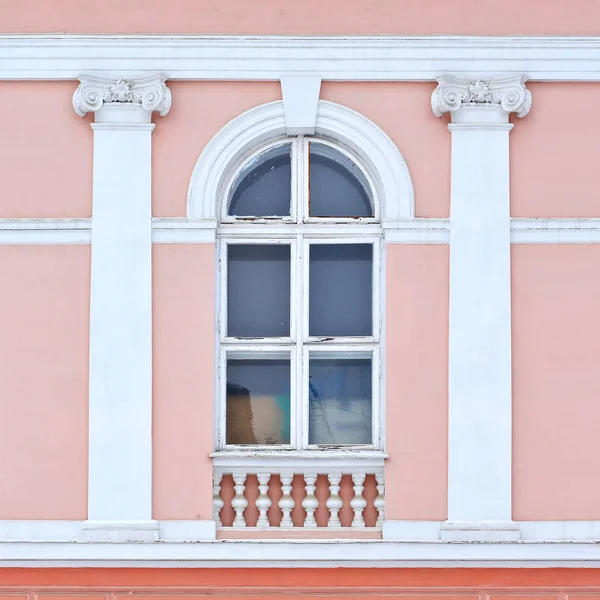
(299, 299)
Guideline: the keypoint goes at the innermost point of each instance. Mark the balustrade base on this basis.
(301, 533)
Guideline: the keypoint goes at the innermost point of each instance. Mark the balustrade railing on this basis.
(323, 492)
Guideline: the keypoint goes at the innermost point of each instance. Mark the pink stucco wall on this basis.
(309, 16)
(183, 340)
(44, 324)
(554, 152)
(45, 151)
(198, 111)
(416, 381)
(403, 111)
(556, 381)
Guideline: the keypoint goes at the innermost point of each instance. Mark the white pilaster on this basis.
(120, 386)
(480, 421)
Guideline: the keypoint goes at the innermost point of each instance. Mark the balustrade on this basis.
(299, 491)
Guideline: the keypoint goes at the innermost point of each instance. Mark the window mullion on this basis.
(300, 202)
(301, 394)
(303, 179)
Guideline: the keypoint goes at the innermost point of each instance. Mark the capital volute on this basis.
(508, 94)
(148, 92)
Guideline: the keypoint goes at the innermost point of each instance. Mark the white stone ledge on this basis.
(301, 553)
(204, 530)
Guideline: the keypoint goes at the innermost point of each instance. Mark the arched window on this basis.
(299, 257)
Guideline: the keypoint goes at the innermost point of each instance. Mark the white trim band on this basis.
(179, 230)
(531, 531)
(300, 553)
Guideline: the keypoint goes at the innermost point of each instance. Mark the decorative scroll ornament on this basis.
(147, 91)
(509, 93)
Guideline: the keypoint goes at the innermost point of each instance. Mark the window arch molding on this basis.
(241, 136)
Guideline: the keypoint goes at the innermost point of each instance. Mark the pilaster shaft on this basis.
(480, 380)
(120, 393)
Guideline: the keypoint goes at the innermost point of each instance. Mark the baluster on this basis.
(379, 502)
(286, 502)
(358, 503)
(217, 500)
(263, 502)
(239, 502)
(334, 502)
(310, 502)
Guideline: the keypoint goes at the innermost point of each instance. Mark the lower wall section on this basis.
(182, 412)
(556, 381)
(476, 584)
(416, 367)
(44, 346)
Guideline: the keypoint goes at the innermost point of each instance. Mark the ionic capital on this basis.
(145, 91)
(507, 93)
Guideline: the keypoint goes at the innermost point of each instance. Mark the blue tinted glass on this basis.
(340, 290)
(340, 401)
(338, 188)
(258, 290)
(263, 188)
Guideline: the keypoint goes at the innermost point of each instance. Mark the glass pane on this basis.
(340, 292)
(339, 401)
(258, 290)
(263, 188)
(258, 401)
(338, 188)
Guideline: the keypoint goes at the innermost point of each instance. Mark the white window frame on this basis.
(299, 232)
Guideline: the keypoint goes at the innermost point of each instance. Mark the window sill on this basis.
(330, 453)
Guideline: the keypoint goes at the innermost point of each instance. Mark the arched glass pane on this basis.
(263, 188)
(338, 188)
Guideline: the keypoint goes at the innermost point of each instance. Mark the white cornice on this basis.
(342, 58)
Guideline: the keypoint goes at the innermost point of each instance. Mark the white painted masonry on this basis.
(120, 397)
(373, 148)
(300, 102)
(480, 379)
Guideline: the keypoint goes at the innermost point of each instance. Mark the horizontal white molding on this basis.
(195, 231)
(555, 231)
(203, 531)
(531, 531)
(300, 553)
(418, 231)
(45, 231)
(182, 231)
(345, 58)
(78, 531)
